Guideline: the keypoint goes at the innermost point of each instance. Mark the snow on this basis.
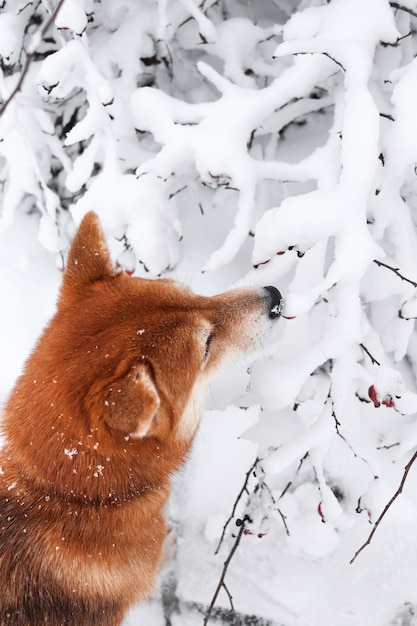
(8, 34)
(30, 301)
(317, 435)
(72, 15)
(185, 129)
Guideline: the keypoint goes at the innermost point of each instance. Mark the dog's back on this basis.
(105, 411)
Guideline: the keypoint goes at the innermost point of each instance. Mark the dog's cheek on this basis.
(237, 337)
(191, 414)
(132, 402)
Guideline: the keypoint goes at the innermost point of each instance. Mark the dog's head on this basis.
(149, 347)
(118, 376)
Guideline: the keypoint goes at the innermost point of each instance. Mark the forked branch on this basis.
(373, 359)
(240, 494)
(241, 524)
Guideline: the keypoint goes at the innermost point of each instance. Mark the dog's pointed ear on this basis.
(88, 258)
(132, 403)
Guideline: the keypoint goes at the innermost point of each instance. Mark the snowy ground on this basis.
(303, 580)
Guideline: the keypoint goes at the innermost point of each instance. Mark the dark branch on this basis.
(387, 116)
(284, 521)
(349, 445)
(387, 44)
(241, 524)
(373, 359)
(240, 494)
(289, 484)
(326, 54)
(387, 507)
(396, 271)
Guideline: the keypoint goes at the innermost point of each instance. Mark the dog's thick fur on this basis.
(105, 410)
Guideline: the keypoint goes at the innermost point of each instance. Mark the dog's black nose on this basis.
(274, 302)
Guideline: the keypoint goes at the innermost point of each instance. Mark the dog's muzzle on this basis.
(274, 302)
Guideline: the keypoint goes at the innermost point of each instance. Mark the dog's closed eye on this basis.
(209, 339)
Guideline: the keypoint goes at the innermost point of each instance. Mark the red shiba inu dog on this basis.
(105, 410)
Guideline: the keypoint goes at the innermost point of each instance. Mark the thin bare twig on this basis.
(295, 474)
(326, 54)
(240, 494)
(29, 58)
(274, 502)
(387, 507)
(284, 521)
(387, 44)
(241, 524)
(387, 116)
(396, 271)
(349, 445)
(373, 359)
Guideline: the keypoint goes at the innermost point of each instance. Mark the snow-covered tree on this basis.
(226, 141)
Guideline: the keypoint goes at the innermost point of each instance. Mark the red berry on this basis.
(374, 396)
(388, 401)
(127, 271)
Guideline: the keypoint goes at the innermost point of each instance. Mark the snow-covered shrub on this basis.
(269, 142)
